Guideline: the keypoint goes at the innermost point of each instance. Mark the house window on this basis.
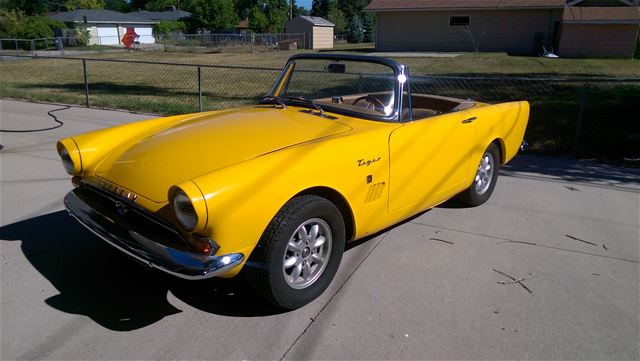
(458, 21)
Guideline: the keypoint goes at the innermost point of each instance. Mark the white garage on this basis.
(107, 27)
(145, 34)
(107, 35)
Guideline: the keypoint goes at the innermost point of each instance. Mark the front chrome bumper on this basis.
(137, 241)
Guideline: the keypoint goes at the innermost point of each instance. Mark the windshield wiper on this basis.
(308, 101)
(275, 98)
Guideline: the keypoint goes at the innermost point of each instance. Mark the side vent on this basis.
(375, 192)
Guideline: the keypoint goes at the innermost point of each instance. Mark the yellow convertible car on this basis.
(342, 147)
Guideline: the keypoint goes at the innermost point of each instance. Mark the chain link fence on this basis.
(590, 116)
(181, 43)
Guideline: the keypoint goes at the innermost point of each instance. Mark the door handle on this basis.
(469, 120)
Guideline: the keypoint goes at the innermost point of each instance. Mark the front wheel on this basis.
(299, 252)
(485, 179)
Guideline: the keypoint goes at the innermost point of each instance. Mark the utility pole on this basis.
(291, 9)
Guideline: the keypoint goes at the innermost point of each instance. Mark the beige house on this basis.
(319, 31)
(513, 26)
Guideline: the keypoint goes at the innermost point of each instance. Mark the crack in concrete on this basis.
(508, 240)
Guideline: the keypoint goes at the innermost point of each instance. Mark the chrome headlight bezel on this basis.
(184, 211)
(67, 162)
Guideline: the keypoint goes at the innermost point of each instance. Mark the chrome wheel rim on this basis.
(484, 174)
(307, 253)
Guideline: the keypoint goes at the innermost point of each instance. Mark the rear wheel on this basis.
(299, 252)
(485, 179)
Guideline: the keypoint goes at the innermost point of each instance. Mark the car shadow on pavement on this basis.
(573, 170)
(97, 281)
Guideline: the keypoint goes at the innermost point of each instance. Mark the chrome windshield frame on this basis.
(398, 69)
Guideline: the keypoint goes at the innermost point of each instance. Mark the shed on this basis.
(319, 31)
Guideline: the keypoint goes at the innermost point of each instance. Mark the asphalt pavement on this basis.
(438, 286)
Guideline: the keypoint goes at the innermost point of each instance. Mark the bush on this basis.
(55, 24)
(82, 36)
(166, 27)
(35, 27)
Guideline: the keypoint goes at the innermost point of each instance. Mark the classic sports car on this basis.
(341, 148)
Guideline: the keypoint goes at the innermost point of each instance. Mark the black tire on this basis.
(266, 271)
(473, 196)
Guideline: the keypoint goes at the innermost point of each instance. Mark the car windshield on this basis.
(351, 87)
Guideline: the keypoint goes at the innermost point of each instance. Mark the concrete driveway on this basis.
(425, 289)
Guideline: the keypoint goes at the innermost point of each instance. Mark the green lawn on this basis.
(466, 63)
(610, 128)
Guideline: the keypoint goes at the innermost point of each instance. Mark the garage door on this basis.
(146, 35)
(108, 36)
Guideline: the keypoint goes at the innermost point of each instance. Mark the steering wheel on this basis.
(373, 103)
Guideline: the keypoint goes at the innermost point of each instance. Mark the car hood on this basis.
(151, 165)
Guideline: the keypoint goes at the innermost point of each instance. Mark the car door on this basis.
(429, 160)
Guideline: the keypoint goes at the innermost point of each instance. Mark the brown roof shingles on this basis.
(605, 15)
(461, 4)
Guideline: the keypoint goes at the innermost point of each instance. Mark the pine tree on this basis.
(355, 33)
(367, 27)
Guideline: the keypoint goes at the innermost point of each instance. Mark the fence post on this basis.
(583, 100)
(16, 40)
(1, 51)
(199, 90)
(33, 48)
(164, 41)
(252, 39)
(86, 83)
(46, 42)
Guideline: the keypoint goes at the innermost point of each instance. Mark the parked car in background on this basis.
(340, 148)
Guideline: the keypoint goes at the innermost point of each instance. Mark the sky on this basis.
(304, 3)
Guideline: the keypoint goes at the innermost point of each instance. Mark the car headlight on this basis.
(70, 156)
(184, 211)
(67, 162)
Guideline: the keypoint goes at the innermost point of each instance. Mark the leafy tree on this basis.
(315, 8)
(71, 5)
(55, 24)
(214, 14)
(29, 7)
(160, 5)
(321, 8)
(276, 11)
(10, 22)
(14, 24)
(138, 4)
(35, 27)
(268, 16)
(244, 7)
(355, 33)
(352, 7)
(299, 10)
(258, 21)
(337, 17)
(117, 5)
(166, 27)
(54, 5)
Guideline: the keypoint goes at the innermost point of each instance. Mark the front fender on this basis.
(242, 199)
